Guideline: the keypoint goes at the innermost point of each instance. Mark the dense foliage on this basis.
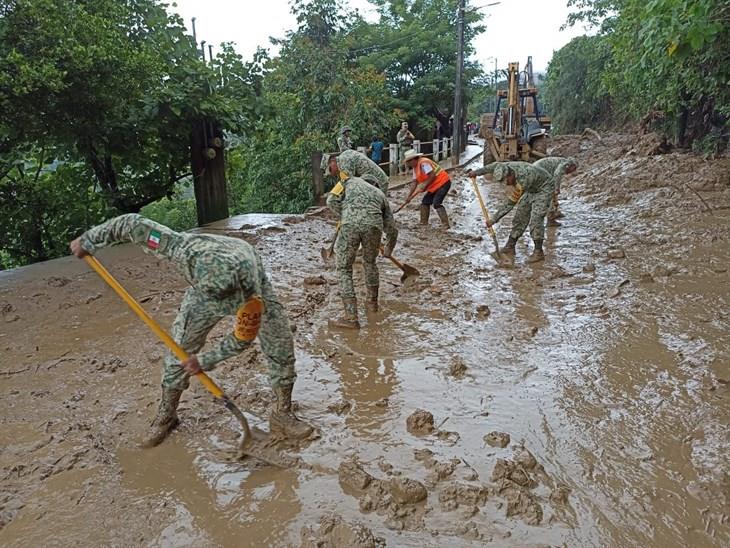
(667, 57)
(574, 91)
(98, 99)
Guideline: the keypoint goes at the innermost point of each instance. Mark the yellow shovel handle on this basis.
(481, 204)
(153, 325)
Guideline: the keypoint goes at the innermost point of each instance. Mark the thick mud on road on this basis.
(583, 401)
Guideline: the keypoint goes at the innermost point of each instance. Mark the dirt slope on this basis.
(579, 402)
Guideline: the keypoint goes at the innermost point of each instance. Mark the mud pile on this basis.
(582, 401)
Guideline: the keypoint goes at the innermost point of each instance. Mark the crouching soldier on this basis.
(224, 275)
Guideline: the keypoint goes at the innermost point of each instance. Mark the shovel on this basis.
(407, 269)
(327, 252)
(253, 443)
(408, 201)
(486, 216)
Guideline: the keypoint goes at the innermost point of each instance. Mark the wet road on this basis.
(612, 372)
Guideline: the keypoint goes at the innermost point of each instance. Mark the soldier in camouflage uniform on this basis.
(352, 163)
(405, 139)
(364, 214)
(224, 274)
(557, 166)
(533, 190)
(343, 141)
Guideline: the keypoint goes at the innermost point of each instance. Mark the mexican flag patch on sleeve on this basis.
(153, 240)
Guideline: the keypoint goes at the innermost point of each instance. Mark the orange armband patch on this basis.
(248, 319)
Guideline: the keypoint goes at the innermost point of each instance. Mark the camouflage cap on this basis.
(501, 172)
(345, 129)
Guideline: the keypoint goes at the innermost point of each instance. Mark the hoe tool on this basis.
(407, 269)
(408, 201)
(486, 215)
(327, 252)
(254, 442)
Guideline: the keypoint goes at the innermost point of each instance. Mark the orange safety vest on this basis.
(441, 176)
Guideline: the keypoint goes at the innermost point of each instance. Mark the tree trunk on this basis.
(209, 174)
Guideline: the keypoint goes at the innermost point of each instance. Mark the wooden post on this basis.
(417, 145)
(209, 172)
(436, 152)
(317, 178)
(393, 159)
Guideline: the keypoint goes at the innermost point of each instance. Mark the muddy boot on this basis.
(283, 421)
(443, 216)
(425, 212)
(372, 302)
(165, 420)
(538, 254)
(349, 318)
(509, 247)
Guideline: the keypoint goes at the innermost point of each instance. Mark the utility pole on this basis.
(456, 150)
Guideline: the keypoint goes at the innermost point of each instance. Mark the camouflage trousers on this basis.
(554, 206)
(348, 242)
(198, 314)
(531, 210)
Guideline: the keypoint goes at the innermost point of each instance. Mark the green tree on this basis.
(309, 92)
(667, 55)
(574, 92)
(414, 46)
(118, 84)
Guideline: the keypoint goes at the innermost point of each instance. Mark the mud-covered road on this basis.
(608, 367)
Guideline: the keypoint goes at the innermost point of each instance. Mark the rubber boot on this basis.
(283, 421)
(349, 319)
(509, 247)
(538, 254)
(165, 420)
(425, 212)
(372, 302)
(443, 216)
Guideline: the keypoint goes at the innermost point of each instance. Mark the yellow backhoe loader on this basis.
(516, 130)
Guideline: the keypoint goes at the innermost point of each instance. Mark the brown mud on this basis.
(607, 366)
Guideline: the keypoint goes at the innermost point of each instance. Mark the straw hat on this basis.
(410, 155)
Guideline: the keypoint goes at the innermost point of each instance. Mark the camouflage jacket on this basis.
(357, 202)
(530, 180)
(488, 169)
(226, 270)
(356, 164)
(343, 143)
(404, 138)
(555, 165)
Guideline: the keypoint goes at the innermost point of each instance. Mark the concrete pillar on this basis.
(393, 159)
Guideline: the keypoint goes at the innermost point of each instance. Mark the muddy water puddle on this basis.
(608, 373)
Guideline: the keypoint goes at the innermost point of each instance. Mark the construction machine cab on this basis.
(518, 129)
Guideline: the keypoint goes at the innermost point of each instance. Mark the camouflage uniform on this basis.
(344, 143)
(532, 196)
(555, 165)
(401, 138)
(224, 273)
(365, 214)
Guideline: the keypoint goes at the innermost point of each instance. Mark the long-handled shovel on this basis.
(248, 445)
(407, 269)
(486, 216)
(327, 252)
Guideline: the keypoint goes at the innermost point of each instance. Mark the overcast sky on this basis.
(515, 28)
